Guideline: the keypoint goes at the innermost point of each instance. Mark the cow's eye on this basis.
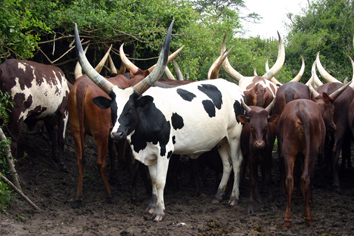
(130, 110)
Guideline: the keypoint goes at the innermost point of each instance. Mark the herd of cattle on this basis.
(159, 118)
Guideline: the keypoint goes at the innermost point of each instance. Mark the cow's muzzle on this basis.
(259, 144)
(118, 136)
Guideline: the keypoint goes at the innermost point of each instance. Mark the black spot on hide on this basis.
(186, 95)
(213, 93)
(177, 121)
(209, 107)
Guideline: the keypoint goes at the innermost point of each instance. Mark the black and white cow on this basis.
(187, 120)
(39, 92)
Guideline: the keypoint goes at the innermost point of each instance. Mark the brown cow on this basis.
(257, 140)
(302, 132)
(341, 138)
(259, 90)
(39, 92)
(286, 93)
(87, 118)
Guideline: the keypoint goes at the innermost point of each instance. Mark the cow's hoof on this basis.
(250, 210)
(110, 199)
(337, 189)
(287, 224)
(63, 167)
(273, 207)
(215, 201)
(158, 215)
(158, 218)
(77, 203)
(233, 201)
(309, 222)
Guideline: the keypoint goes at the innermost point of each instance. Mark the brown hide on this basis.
(285, 94)
(342, 135)
(25, 82)
(87, 118)
(301, 131)
(257, 140)
(258, 95)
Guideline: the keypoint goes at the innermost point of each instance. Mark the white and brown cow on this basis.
(187, 120)
(39, 92)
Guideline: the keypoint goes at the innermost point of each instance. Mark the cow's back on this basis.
(200, 113)
(36, 89)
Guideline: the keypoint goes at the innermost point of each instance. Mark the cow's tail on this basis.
(80, 105)
(306, 131)
(289, 96)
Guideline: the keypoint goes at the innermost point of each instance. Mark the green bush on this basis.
(5, 193)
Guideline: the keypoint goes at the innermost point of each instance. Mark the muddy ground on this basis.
(186, 213)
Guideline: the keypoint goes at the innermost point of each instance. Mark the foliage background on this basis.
(42, 31)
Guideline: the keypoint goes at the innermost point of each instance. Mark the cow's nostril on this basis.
(260, 145)
(117, 136)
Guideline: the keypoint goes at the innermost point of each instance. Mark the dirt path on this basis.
(186, 214)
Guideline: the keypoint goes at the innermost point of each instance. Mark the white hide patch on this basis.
(45, 95)
(22, 65)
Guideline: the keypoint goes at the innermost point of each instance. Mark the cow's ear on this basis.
(102, 102)
(243, 119)
(144, 101)
(326, 98)
(273, 118)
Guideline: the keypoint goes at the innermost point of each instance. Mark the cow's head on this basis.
(258, 120)
(325, 102)
(124, 103)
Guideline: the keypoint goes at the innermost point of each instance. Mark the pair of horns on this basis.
(333, 95)
(139, 88)
(268, 75)
(268, 108)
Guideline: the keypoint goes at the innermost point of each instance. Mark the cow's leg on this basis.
(289, 166)
(253, 166)
(81, 161)
(102, 147)
(134, 169)
(158, 174)
(153, 175)
(335, 159)
(346, 150)
(53, 140)
(236, 157)
(309, 166)
(224, 154)
(62, 122)
(267, 162)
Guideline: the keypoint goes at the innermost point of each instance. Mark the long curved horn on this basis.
(170, 58)
(149, 80)
(100, 65)
(112, 66)
(227, 66)
(301, 72)
(273, 79)
(247, 108)
(213, 72)
(279, 62)
(310, 82)
(339, 91)
(325, 75)
(352, 83)
(128, 64)
(270, 106)
(78, 69)
(179, 74)
(169, 74)
(104, 84)
(255, 72)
